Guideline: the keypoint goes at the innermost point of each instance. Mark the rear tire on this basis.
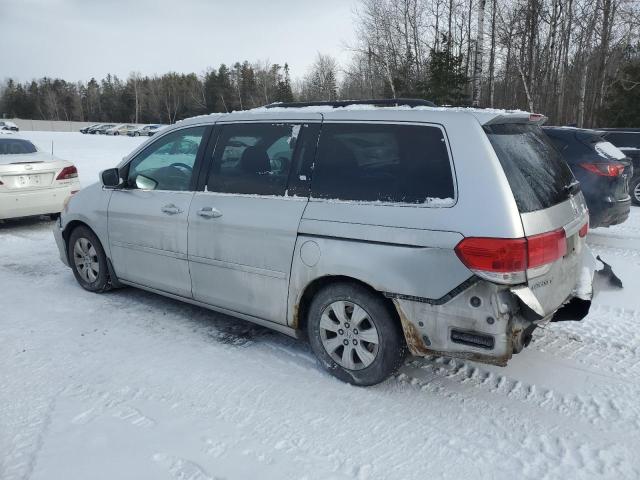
(354, 334)
(88, 260)
(634, 188)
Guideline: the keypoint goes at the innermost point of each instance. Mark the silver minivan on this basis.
(372, 231)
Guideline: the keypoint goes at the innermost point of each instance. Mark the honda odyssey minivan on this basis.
(373, 231)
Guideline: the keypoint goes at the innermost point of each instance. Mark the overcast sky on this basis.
(80, 39)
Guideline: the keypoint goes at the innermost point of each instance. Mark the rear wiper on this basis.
(572, 188)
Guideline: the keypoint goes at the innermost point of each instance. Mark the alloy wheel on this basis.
(85, 258)
(349, 335)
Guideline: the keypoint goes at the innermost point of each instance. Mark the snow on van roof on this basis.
(483, 115)
(330, 108)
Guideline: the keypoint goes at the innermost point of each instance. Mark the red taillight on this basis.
(604, 169)
(493, 254)
(68, 173)
(512, 255)
(546, 248)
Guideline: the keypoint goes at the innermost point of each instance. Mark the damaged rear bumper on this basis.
(487, 322)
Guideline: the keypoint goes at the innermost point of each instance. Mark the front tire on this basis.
(88, 260)
(354, 334)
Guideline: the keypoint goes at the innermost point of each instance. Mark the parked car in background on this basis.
(628, 141)
(7, 125)
(103, 128)
(444, 232)
(122, 129)
(33, 182)
(144, 131)
(90, 128)
(604, 172)
(155, 129)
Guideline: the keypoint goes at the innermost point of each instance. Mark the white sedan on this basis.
(33, 182)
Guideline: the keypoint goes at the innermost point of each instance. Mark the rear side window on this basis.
(620, 139)
(538, 175)
(387, 163)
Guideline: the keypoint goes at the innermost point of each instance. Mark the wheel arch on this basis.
(66, 234)
(70, 227)
(301, 307)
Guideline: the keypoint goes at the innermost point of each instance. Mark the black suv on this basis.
(628, 141)
(604, 172)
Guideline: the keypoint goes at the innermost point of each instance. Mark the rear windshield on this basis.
(538, 175)
(628, 140)
(16, 146)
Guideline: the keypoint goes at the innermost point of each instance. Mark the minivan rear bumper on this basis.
(488, 322)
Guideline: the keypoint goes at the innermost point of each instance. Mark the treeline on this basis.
(145, 99)
(576, 61)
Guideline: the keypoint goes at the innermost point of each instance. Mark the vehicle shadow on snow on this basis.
(208, 325)
(17, 226)
(215, 326)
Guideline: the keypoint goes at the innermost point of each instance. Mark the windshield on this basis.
(538, 175)
(16, 146)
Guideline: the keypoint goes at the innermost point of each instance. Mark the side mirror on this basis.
(110, 178)
(145, 183)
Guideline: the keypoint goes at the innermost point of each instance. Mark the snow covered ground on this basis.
(130, 385)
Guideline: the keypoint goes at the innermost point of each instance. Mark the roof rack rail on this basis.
(381, 102)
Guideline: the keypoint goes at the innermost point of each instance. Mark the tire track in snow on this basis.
(18, 463)
(548, 448)
(601, 413)
(606, 341)
(596, 354)
(181, 468)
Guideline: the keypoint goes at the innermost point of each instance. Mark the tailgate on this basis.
(551, 285)
(551, 207)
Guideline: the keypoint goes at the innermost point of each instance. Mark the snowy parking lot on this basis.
(131, 385)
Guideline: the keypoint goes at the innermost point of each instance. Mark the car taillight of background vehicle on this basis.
(604, 169)
(68, 173)
(506, 260)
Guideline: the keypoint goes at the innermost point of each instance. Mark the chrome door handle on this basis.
(171, 209)
(209, 212)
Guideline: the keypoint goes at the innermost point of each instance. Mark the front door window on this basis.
(168, 163)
